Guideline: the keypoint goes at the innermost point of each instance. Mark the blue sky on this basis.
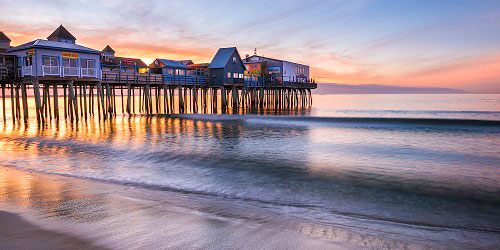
(409, 43)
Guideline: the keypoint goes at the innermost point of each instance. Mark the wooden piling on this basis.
(3, 103)
(73, 101)
(25, 101)
(55, 95)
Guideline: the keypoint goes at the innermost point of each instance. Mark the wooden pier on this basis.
(74, 82)
(130, 94)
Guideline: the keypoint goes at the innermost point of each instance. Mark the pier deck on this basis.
(82, 96)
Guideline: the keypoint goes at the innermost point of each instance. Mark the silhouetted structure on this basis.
(89, 81)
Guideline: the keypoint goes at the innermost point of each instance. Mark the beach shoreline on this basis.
(66, 211)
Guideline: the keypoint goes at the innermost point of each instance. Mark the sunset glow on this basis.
(451, 44)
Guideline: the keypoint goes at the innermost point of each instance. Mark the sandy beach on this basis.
(56, 212)
(17, 233)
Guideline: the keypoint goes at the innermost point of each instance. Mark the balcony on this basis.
(88, 72)
(70, 71)
(51, 70)
(27, 71)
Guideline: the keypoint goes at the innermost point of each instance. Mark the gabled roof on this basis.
(3, 37)
(222, 57)
(130, 62)
(44, 44)
(61, 32)
(186, 62)
(172, 63)
(108, 49)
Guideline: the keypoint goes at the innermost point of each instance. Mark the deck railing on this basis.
(27, 70)
(51, 70)
(185, 80)
(4, 72)
(114, 77)
(88, 72)
(70, 71)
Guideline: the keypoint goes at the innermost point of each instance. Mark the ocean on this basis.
(417, 169)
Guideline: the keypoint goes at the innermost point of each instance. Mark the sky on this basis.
(450, 44)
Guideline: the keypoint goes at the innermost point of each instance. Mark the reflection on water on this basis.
(54, 198)
(382, 177)
(465, 106)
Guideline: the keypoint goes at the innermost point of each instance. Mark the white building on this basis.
(281, 69)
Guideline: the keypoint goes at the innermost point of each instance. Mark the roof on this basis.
(186, 62)
(268, 58)
(198, 66)
(3, 37)
(61, 32)
(126, 62)
(222, 57)
(172, 63)
(108, 49)
(45, 44)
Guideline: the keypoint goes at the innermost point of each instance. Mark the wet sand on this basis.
(61, 212)
(17, 233)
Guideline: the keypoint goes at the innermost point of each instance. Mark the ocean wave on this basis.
(338, 120)
(319, 210)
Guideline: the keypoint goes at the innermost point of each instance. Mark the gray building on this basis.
(7, 63)
(4, 42)
(226, 68)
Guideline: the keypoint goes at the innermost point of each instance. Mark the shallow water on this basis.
(414, 167)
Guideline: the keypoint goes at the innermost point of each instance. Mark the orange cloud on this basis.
(479, 74)
(98, 39)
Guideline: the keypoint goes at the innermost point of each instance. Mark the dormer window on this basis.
(61, 34)
(65, 40)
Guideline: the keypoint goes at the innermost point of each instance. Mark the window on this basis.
(241, 76)
(88, 67)
(234, 59)
(228, 74)
(28, 61)
(50, 61)
(70, 66)
(235, 75)
(88, 64)
(69, 62)
(50, 65)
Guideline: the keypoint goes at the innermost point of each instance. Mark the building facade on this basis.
(177, 72)
(279, 70)
(226, 68)
(110, 62)
(4, 43)
(59, 56)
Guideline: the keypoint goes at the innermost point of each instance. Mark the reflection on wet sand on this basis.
(117, 216)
